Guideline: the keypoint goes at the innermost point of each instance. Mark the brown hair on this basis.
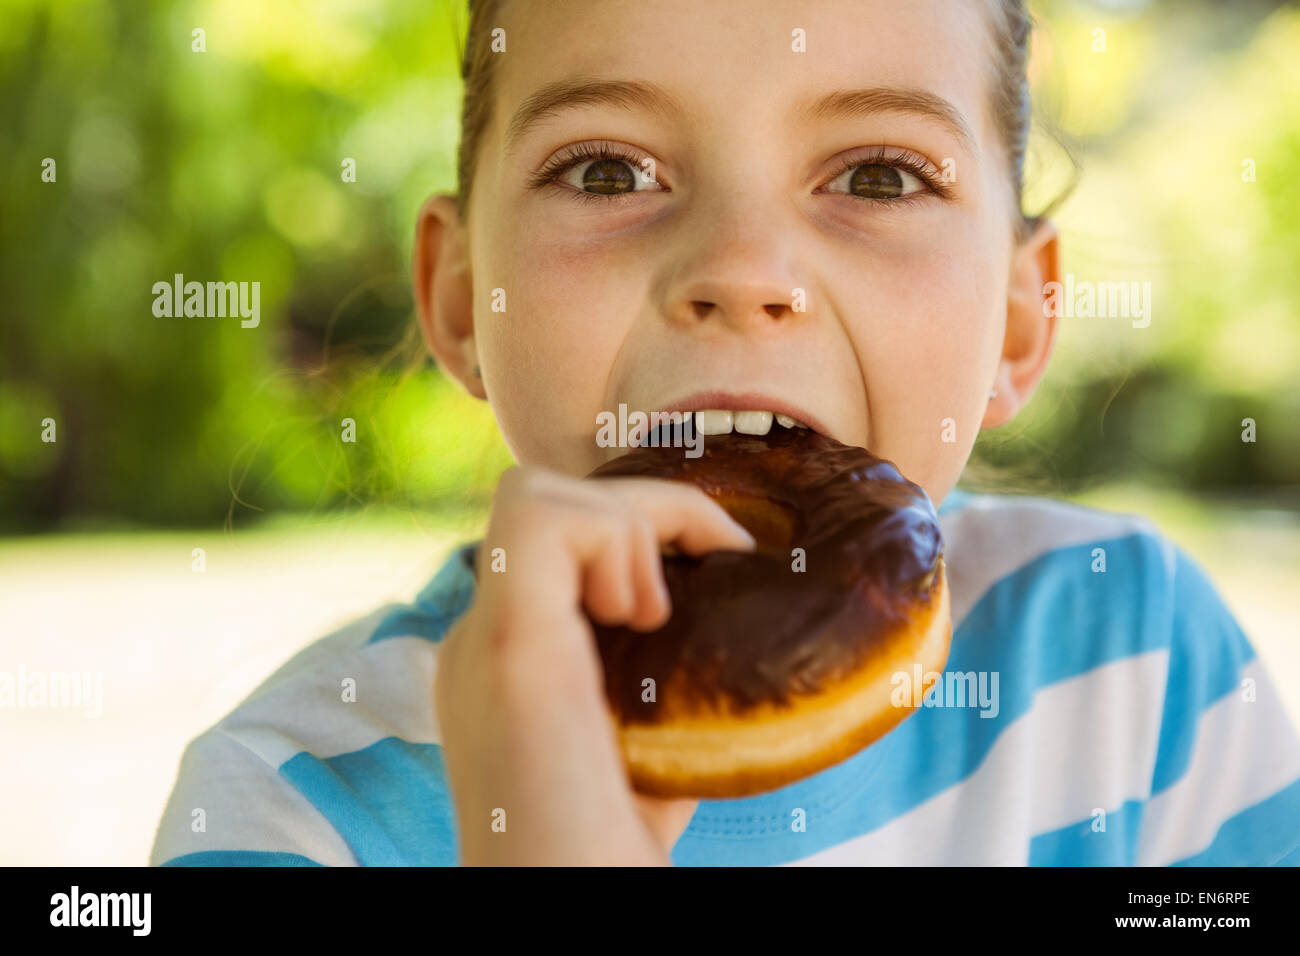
(476, 69)
(1011, 26)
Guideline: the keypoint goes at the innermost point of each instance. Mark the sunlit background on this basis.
(1179, 119)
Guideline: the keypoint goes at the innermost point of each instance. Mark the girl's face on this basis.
(826, 233)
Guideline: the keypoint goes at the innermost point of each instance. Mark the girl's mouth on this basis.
(691, 429)
(723, 421)
(720, 413)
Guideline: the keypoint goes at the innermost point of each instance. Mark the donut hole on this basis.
(775, 526)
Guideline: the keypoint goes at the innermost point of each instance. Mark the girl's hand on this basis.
(531, 752)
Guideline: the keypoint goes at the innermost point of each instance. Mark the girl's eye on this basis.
(602, 172)
(878, 181)
(599, 172)
(608, 177)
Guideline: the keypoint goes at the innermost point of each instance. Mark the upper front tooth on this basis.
(753, 423)
(713, 421)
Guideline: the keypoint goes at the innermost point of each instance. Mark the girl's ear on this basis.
(444, 293)
(1030, 334)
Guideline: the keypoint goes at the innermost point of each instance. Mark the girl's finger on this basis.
(682, 514)
(653, 604)
(608, 588)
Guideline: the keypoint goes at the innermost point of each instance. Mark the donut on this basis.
(780, 662)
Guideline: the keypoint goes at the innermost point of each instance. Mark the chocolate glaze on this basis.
(746, 629)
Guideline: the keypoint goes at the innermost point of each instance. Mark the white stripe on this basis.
(247, 805)
(1244, 753)
(1097, 737)
(1088, 742)
(394, 698)
(324, 651)
(992, 536)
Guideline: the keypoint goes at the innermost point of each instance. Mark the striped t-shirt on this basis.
(1114, 713)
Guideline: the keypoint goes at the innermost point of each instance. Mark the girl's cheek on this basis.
(940, 410)
(558, 337)
(580, 290)
(932, 340)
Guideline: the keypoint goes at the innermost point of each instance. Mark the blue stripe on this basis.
(240, 858)
(1291, 859)
(389, 801)
(1263, 835)
(410, 621)
(1206, 658)
(443, 600)
(1081, 844)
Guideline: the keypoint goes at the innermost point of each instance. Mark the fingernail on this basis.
(753, 542)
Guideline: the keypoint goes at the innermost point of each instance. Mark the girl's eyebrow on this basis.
(562, 95)
(555, 98)
(842, 104)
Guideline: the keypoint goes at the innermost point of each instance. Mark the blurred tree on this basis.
(228, 164)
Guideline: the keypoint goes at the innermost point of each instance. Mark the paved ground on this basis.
(179, 649)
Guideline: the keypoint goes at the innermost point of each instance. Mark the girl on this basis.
(812, 212)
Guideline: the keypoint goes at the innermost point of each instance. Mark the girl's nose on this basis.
(704, 309)
(742, 275)
(736, 263)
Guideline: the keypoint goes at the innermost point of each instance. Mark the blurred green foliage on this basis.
(1187, 131)
(226, 165)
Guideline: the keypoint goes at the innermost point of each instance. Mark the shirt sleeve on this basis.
(230, 808)
(1225, 787)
